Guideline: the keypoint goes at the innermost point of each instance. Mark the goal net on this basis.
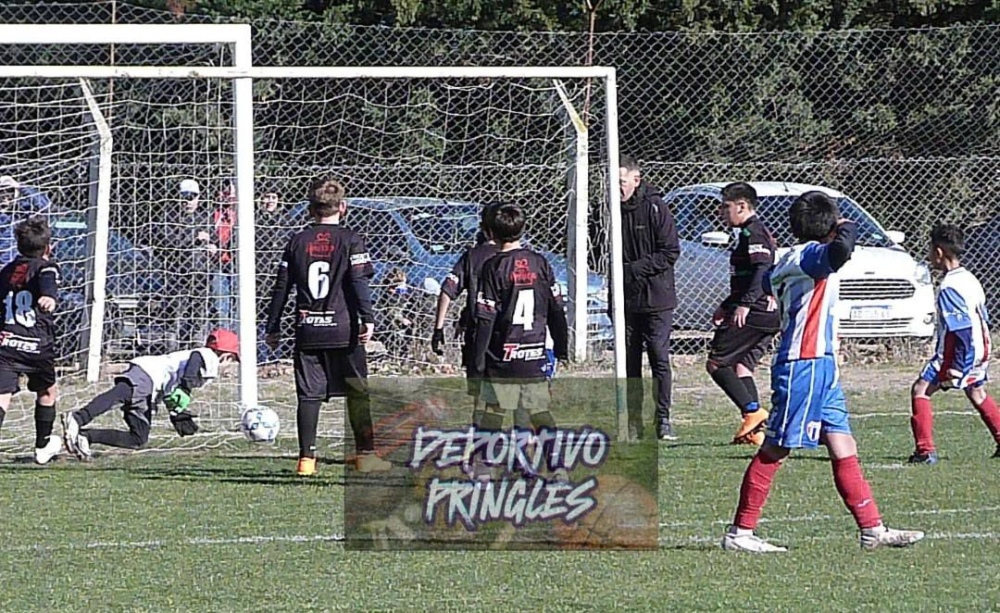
(418, 155)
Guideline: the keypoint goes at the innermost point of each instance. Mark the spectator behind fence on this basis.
(223, 247)
(181, 245)
(17, 203)
(274, 226)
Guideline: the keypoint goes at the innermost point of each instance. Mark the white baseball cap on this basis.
(190, 186)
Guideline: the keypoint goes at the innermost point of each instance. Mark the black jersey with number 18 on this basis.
(330, 268)
(519, 305)
(27, 329)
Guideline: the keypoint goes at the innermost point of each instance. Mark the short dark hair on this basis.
(740, 191)
(628, 162)
(508, 223)
(33, 237)
(813, 216)
(949, 239)
(325, 196)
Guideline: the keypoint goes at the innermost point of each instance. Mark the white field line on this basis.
(932, 536)
(191, 542)
(809, 518)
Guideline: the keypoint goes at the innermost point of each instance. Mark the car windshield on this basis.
(773, 210)
(444, 229)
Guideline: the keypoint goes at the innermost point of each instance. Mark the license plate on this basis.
(870, 313)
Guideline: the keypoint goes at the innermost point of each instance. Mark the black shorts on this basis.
(322, 374)
(41, 372)
(740, 346)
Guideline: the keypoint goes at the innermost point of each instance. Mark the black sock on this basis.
(523, 420)
(492, 419)
(3, 414)
(307, 422)
(45, 417)
(751, 386)
(725, 377)
(359, 411)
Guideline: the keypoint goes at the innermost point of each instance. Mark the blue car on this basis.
(424, 237)
(133, 286)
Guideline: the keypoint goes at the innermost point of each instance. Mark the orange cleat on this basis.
(306, 467)
(751, 430)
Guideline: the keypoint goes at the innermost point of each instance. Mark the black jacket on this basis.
(650, 248)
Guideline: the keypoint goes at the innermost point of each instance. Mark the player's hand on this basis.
(47, 304)
(366, 333)
(952, 379)
(178, 400)
(437, 341)
(184, 423)
(719, 317)
(272, 341)
(740, 316)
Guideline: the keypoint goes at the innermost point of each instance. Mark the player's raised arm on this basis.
(360, 273)
(279, 291)
(556, 318)
(832, 247)
(48, 287)
(486, 314)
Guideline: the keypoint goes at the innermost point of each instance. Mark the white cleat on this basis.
(83, 448)
(43, 455)
(873, 538)
(76, 443)
(746, 540)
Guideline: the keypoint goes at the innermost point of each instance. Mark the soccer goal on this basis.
(165, 113)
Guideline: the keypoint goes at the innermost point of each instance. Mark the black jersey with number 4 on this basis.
(330, 268)
(27, 329)
(519, 305)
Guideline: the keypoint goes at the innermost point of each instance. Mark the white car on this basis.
(884, 292)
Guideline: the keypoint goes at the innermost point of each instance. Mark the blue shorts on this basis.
(807, 401)
(977, 376)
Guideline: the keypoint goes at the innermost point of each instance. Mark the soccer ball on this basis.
(259, 425)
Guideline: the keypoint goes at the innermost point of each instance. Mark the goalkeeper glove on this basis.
(183, 422)
(437, 341)
(178, 400)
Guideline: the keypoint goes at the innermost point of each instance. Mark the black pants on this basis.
(649, 333)
(137, 414)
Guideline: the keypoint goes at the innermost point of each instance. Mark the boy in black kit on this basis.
(519, 305)
(331, 270)
(28, 289)
(747, 321)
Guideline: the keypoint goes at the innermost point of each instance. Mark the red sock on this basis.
(754, 490)
(922, 423)
(991, 417)
(856, 492)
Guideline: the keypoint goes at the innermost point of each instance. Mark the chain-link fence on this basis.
(905, 124)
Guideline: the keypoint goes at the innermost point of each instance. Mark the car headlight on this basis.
(923, 274)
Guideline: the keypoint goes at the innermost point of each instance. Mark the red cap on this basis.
(225, 341)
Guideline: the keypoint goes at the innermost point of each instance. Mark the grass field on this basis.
(233, 530)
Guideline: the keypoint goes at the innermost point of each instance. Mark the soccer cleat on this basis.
(930, 458)
(753, 423)
(746, 540)
(666, 432)
(72, 437)
(873, 538)
(51, 449)
(306, 467)
(83, 448)
(371, 463)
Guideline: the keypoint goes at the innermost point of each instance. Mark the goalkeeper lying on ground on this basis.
(149, 380)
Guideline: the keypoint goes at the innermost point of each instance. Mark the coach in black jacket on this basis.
(649, 248)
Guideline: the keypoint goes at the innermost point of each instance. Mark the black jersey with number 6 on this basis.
(27, 329)
(519, 305)
(330, 268)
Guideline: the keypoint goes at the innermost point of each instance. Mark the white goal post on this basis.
(242, 73)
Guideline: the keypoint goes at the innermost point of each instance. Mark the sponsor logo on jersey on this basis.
(321, 247)
(523, 275)
(20, 343)
(752, 249)
(527, 353)
(451, 279)
(318, 320)
(360, 259)
(19, 275)
(485, 303)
